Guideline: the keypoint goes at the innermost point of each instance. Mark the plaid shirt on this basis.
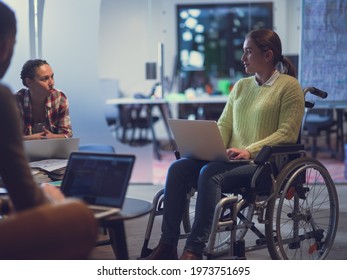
(57, 112)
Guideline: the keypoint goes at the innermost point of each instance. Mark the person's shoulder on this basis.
(288, 82)
(59, 93)
(5, 92)
(20, 94)
(6, 96)
(3, 87)
(290, 87)
(21, 91)
(288, 78)
(245, 81)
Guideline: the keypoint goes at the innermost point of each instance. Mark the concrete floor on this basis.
(135, 229)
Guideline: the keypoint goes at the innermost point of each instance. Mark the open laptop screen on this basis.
(98, 179)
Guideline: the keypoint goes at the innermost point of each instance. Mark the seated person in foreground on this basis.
(44, 109)
(14, 168)
(35, 219)
(264, 109)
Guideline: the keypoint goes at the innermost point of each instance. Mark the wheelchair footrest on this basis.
(240, 249)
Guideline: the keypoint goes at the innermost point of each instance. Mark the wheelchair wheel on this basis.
(222, 236)
(188, 217)
(303, 216)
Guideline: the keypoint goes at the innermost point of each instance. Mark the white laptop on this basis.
(99, 179)
(199, 139)
(50, 148)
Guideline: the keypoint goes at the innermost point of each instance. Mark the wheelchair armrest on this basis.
(267, 151)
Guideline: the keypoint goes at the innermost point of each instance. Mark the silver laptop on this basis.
(99, 179)
(50, 148)
(199, 139)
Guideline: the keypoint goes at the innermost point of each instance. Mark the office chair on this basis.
(320, 122)
(138, 120)
(96, 147)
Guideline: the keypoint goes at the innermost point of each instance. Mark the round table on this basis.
(132, 208)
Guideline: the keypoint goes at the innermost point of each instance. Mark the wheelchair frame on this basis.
(300, 213)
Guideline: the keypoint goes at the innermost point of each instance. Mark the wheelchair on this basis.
(294, 216)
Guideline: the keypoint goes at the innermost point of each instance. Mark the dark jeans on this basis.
(211, 179)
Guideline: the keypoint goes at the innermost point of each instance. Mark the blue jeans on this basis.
(211, 179)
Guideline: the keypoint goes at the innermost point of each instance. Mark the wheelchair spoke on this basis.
(305, 213)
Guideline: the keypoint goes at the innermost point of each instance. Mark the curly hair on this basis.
(29, 69)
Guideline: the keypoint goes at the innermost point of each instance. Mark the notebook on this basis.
(199, 139)
(99, 179)
(50, 148)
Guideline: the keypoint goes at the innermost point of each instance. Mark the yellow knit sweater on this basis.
(255, 116)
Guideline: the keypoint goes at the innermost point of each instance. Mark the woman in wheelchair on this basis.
(265, 108)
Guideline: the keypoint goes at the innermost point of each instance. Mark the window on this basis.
(210, 41)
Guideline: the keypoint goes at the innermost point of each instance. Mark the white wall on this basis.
(293, 32)
(21, 51)
(70, 44)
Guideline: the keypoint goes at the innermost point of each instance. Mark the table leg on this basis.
(156, 145)
(118, 241)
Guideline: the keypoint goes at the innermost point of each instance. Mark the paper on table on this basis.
(49, 164)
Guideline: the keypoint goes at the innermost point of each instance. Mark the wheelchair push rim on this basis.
(303, 217)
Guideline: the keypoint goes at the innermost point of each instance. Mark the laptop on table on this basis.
(61, 148)
(99, 179)
(200, 139)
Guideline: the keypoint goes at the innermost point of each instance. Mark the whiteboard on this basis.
(323, 60)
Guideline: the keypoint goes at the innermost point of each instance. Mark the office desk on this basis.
(201, 106)
(133, 208)
(209, 99)
(164, 111)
